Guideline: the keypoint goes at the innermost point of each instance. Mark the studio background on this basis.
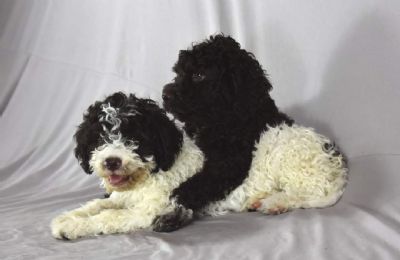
(334, 66)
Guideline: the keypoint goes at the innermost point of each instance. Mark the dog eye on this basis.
(197, 77)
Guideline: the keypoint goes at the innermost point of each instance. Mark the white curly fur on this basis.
(290, 169)
(132, 164)
(133, 209)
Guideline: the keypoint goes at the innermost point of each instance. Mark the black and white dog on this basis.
(140, 155)
(255, 156)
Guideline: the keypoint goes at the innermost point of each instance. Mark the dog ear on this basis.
(167, 139)
(87, 136)
(81, 149)
(247, 73)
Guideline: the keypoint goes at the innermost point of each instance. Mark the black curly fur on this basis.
(150, 128)
(173, 220)
(221, 93)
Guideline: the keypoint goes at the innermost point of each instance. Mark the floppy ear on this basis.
(87, 136)
(167, 139)
(81, 149)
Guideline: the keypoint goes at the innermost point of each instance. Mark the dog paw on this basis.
(255, 205)
(272, 205)
(277, 210)
(173, 220)
(66, 228)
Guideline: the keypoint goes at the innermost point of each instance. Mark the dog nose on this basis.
(168, 92)
(113, 163)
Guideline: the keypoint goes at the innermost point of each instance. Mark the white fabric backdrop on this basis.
(334, 66)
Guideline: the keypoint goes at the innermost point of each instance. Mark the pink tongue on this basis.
(116, 179)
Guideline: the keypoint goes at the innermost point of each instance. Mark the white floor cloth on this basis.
(334, 66)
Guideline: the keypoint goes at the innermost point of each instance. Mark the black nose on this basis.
(168, 92)
(113, 163)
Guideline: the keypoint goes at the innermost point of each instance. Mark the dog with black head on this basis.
(221, 94)
(140, 156)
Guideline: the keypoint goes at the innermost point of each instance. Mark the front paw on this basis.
(174, 220)
(67, 228)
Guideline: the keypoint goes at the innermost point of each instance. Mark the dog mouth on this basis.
(118, 180)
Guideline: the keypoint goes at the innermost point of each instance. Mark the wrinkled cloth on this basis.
(334, 66)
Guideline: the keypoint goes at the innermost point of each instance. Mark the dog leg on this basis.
(108, 221)
(91, 208)
(179, 217)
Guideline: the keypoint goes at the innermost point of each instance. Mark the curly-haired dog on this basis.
(255, 156)
(140, 156)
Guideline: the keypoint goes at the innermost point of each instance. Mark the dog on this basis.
(140, 156)
(256, 157)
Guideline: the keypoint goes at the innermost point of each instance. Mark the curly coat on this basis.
(152, 129)
(221, 93)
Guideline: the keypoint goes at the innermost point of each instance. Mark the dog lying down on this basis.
(141, 157)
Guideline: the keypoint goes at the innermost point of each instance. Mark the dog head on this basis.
(216, 79)
(123, 139)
